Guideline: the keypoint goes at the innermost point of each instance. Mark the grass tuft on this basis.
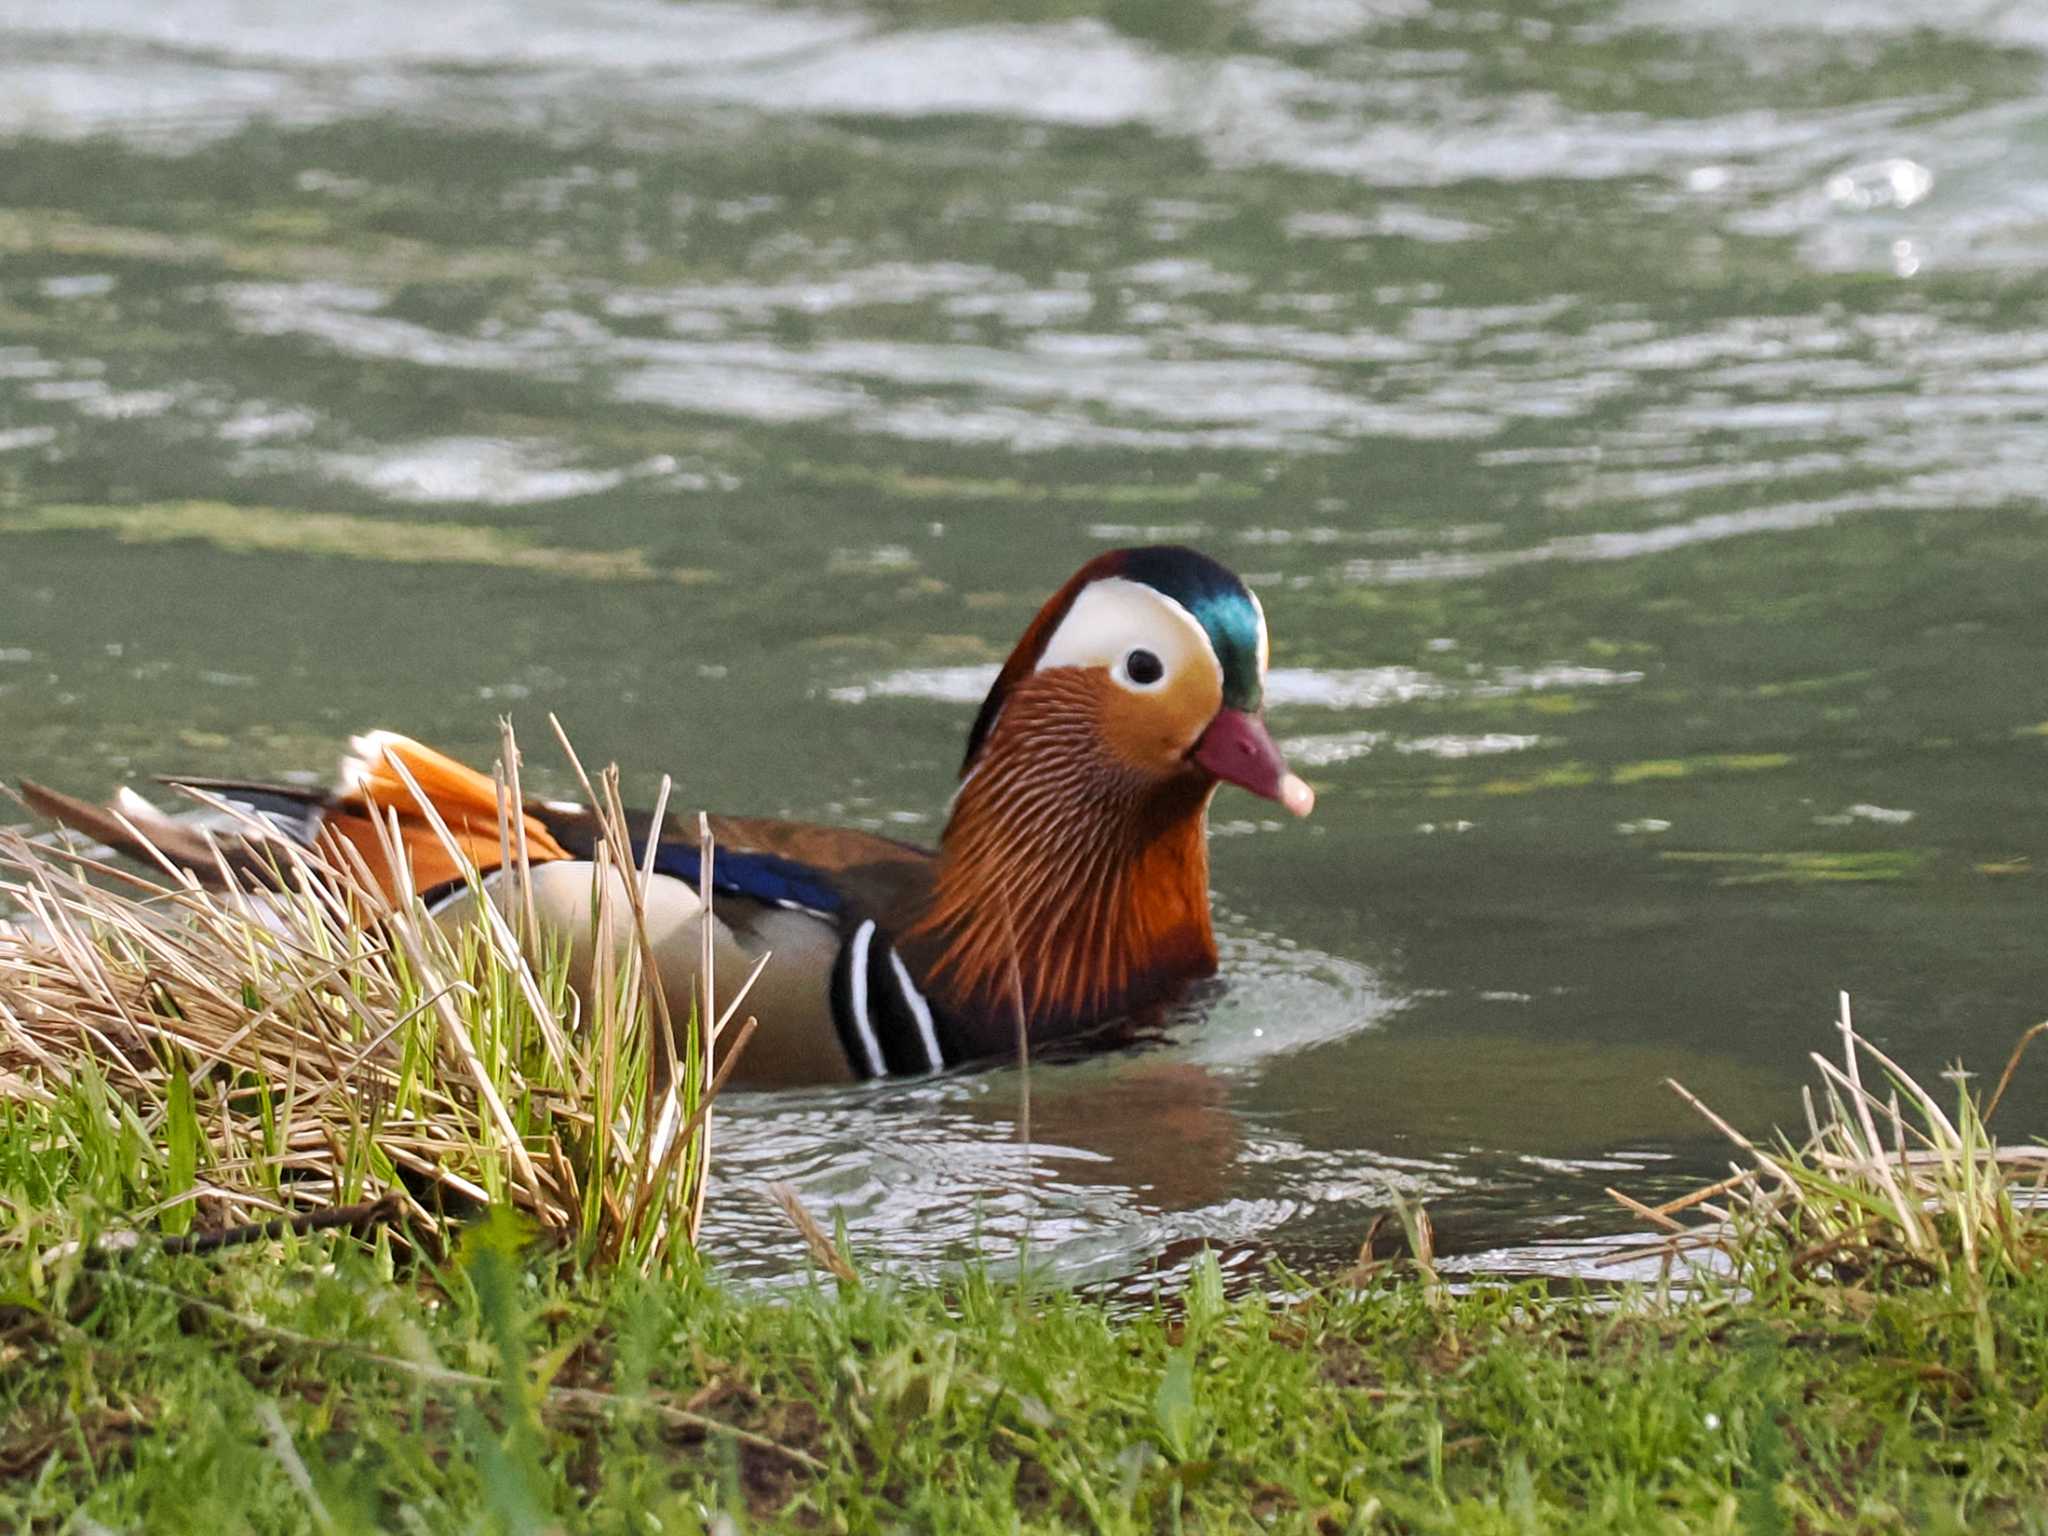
(251, 1053)
(1889, 1188)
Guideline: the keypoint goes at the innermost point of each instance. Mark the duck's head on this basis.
(1149, 665)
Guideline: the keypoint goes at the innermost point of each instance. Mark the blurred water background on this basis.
(1631, 410)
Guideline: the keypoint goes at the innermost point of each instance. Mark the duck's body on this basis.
(1070, 885)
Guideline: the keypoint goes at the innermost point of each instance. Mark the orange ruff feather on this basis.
(1094, 880)
(466, 800)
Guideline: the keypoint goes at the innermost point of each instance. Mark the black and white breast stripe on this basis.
(886, 1025)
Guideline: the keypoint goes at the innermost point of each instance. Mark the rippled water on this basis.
(1633, 414)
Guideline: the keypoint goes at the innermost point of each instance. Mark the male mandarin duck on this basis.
(1076, 843)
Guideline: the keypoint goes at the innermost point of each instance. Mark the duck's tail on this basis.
(385, 778)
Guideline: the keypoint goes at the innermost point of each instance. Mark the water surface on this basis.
(1632, 414)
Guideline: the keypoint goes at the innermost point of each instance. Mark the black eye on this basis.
(1143, 668)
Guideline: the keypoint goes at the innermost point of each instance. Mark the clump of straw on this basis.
(1889, 1187)
(303, 1051)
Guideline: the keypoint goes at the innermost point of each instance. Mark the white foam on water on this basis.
(490, 471)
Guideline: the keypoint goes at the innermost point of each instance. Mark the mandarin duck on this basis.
(1072, 877)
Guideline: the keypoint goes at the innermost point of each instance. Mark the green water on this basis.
(1633, 415)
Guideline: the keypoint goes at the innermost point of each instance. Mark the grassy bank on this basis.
(314, 1216)
(1870, 1353)
(307, 1388)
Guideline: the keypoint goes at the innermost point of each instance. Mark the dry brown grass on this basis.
(295, 1047)
(1888, 1187)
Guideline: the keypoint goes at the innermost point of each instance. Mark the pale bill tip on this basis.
(1296, 795)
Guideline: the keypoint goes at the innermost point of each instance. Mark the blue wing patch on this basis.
(757, 876)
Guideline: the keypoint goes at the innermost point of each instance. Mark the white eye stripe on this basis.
(1113, 617)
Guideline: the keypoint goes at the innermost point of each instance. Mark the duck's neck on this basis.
(1094, 883)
